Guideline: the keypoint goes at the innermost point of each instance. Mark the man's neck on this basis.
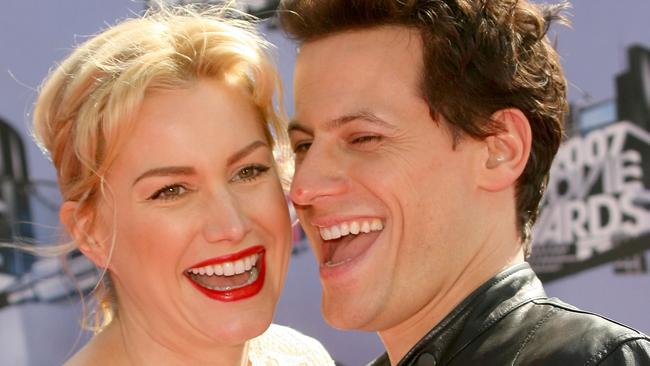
(398, 340)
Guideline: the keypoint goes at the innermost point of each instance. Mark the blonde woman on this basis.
(161, 130)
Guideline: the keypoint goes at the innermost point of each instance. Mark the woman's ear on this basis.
(506, 152)
(78, 223)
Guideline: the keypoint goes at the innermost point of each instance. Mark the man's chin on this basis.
(347, 315)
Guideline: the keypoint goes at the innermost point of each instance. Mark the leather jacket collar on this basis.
(485, 306)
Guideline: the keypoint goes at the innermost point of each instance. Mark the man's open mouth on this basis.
(348, 240)
(232, 277)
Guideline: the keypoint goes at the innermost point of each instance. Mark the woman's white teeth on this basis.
(352, 227)
(239, 267)
(252, 277)
(227, 268)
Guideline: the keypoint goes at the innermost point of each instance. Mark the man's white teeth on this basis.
(227, 268)
(354, 228)
(345, 229)
(365, 227)
(351, 227)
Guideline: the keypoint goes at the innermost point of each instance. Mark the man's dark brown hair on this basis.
(479, 56)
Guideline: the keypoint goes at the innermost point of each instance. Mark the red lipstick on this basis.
(235, 294)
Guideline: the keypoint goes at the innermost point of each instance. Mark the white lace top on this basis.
(283, 346)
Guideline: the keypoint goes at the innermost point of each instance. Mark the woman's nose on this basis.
(225, 220)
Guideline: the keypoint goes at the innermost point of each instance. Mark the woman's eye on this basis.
(169, 192)
(250, 173)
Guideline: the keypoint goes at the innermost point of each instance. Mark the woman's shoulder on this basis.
(102, 349)
(285, 346)
(92, 354)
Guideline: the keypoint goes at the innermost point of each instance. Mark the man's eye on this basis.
(301, 147)
(365, 139)
(250, 173)
(170, 192)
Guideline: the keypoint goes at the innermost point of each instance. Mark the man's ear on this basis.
(505, 153)
(79, 225)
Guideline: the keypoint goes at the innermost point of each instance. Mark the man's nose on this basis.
(319, 175)
(225, 220)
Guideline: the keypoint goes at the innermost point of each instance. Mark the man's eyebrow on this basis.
(340, 121)
(363, 115)
(188, 170)
(297, 126)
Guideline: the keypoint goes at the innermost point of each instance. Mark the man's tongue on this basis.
(345, 249)
(223, 281)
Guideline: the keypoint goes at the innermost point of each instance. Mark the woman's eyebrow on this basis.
(165, 171)
(246, 150)
(188, 170)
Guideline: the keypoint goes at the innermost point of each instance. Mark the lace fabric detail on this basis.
(283, 346)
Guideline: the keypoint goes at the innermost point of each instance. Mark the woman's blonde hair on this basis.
(84, 108)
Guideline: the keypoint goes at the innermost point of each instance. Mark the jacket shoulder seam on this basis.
(559, 304)
(531, 334)
(611, 346)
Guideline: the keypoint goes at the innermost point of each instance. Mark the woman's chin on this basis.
(238, 334)
(238, 327)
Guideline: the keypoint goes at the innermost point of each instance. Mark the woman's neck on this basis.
(127, 343)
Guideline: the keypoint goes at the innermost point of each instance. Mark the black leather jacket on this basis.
(509, 320)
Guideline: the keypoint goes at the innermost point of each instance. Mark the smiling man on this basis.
(424, 132)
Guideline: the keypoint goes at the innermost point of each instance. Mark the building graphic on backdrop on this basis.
(597, 204)
(14, 207)
(259, 8)
(23, 277)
